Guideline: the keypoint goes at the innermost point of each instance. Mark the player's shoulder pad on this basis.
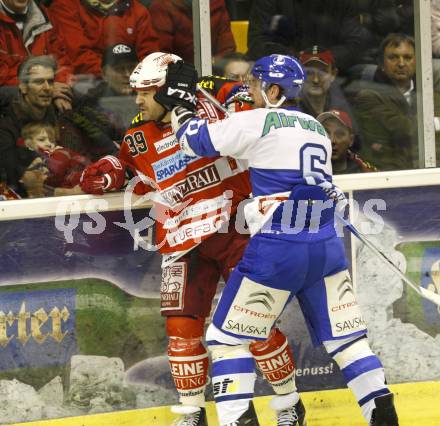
(137, 120)
(213, 83)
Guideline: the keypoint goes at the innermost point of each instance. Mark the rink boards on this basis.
(34, 241)
(417, 404)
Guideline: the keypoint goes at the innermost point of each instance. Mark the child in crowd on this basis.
(56, 170)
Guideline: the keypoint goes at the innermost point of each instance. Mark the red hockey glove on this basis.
(106, 174)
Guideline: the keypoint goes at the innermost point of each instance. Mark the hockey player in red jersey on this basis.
(196, 200)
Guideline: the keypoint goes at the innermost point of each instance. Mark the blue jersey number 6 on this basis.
(313, 159)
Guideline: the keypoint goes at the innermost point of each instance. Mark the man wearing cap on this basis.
(320, 91)
(115, 94)
(98, 121)
(339, 128)
(118, 62)
(113, 99)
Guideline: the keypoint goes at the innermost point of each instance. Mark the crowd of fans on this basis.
(65, 67)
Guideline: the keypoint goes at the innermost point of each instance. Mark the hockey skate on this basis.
(290, 410)
(385, 413)
(190, 416)
(248, 418)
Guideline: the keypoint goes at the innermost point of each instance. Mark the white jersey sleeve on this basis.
(235, 136)
(270, 139)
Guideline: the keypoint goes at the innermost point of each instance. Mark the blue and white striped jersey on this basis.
(289, 158)
(281, 146)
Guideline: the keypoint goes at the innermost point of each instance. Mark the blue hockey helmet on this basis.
(283, 70)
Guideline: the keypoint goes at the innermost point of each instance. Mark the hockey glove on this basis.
(106, 174)
(334, 193)
(179, 88)
(240, 94)
(179, 116)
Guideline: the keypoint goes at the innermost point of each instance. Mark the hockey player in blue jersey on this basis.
(294, 250)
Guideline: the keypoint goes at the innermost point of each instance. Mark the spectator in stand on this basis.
(386, 107)
(83, 130)
(380, 18)
(118, 62)
(40, 139)
(172, 20)
(339, 128)
(99, 119)
(34, 102)
(234, 66)
(56, 170)
(321, 92)
(25, 30)
(90, 26)
(288, 26)
(114, 95)
(33, 179)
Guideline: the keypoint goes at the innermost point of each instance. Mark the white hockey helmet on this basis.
(152, 70)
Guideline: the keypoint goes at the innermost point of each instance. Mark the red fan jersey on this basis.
(193, 195)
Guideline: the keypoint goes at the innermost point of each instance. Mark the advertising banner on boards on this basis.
(79, 307)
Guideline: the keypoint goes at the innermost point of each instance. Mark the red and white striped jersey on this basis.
(193, 196)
